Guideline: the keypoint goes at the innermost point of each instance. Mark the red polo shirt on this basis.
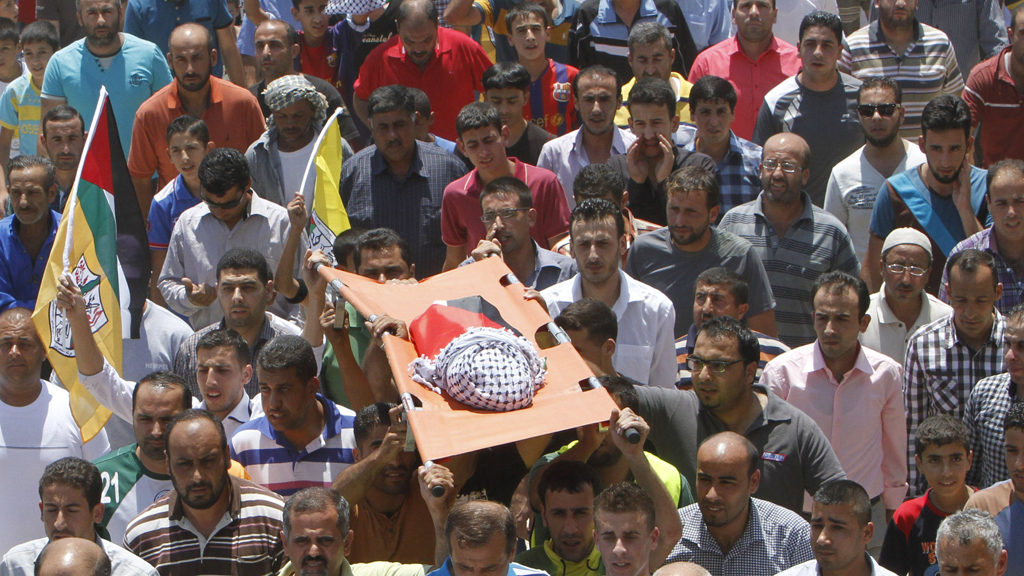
(233, 118)
(461, 212)
(752, 79)
(449, 80)
(994, 102)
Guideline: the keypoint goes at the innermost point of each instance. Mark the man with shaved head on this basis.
(796, 240)
(682, 569)
(37, 419)
(73, 557)
(728, 531)
(231, 113)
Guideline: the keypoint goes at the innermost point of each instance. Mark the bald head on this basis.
(791, 143)
(72, 557)
(784, 169)
(190, 34)
(682, 569)
(417, 12)
(728, 448)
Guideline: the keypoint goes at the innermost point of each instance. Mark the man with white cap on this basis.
(277, 160)
(901, 305)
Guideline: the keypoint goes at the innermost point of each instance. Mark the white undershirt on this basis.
(293, 164)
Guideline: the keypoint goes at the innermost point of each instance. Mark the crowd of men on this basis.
(791, 248)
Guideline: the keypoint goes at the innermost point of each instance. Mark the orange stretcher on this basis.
(443, 427)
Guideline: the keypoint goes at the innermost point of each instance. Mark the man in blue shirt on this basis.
(27, 236)
(481, 538)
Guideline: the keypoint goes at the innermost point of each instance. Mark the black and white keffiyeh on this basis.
(486, 368)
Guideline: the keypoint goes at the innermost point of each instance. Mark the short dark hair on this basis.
(369, 418)
(524, 8)
(245, 259)
(836, 283)
(946, 112)
(879, 83)
(345, 244)
(316, 499)
(511, 186)
(596, 71)
(728, 327)
(289, 31)
(969, 260)
(164, 380)
(822, 19)
(1014, 417)
(74, 473)
(420, 100)
(1004, 165)
(841, 492)
(622, 391)
(646, 33)
(9, 31)
(391, 98)
(507, 75)
(197, 414)
(596, 209)
(188, 124)
(223, 169)
(653, 91)
(712, 88)
(477, 115)
(475, 523)
(380, 239)
(1013, 17)
(226, 338)
(62, 113)
(598, 181)
(721, 276)
(626, 497)
(289, 351)
(569, 476)
(41, 31)
(27, 161)
(592, 315)
(941, 429)
(406, 10)
(691, 178)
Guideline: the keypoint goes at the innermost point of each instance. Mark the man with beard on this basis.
(944, 197)
(207, 504)
(645, 345)
(670, 258)
(391, 518)
(232, 114)
(797, 241)
(597, 95)
(855, 181)
(70, 493)
(399, 183)
(63, 138)
(131, 69)
(919, 58)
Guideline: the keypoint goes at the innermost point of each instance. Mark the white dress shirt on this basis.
(566, 156)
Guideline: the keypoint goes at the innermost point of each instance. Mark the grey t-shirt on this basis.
(654, 260)
(795, 455)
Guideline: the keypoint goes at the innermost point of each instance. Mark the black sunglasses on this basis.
(868, 110)
(223, 205)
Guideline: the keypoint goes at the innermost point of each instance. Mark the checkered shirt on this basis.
(774, 540)
(984, 415)
(1013, 287)
(940, 372)
(739, 172)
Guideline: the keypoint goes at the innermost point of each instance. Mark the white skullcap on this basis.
(907, 236)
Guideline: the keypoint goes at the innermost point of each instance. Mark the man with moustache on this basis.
(26, 236)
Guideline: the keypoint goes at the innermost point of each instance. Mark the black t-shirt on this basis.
(498, 473)
(909, 545)
(528, 147)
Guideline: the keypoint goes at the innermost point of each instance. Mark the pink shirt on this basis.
(752, 79)
(460, 207)
(863, 416)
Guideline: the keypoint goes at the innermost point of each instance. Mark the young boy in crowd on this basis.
(943, 455)
(550, 89)
(506, 86)
(19, 105)
(315, 47)
(188, 142)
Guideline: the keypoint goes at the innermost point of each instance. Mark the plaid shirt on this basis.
(986, 409)
(739, 172)
(1013, 288)
(940, 372)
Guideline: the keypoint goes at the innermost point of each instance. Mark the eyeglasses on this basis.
(899, 269)
(787, 167)
(223, 205)
(505, 213)
(868, 110)
(697, 364)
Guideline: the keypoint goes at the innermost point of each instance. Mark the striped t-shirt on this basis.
(246, 542)
(274, 463)
(19, 111)
(926, 70)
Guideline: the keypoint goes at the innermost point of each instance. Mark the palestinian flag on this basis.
(327, 215)
(101, 243)
(446, 320)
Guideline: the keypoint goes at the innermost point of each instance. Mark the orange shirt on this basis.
(406, 537)
(233, 118)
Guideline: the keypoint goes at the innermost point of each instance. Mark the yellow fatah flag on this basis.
(327, 215)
